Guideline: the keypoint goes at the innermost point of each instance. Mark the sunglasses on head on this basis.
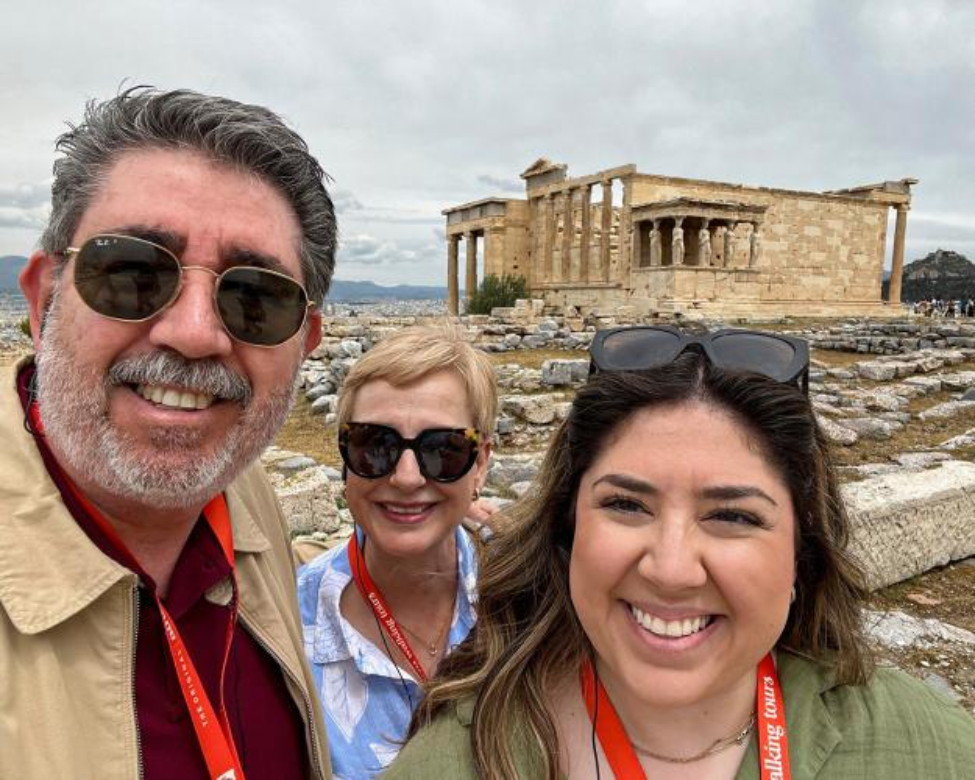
(443, 454)
(132, 280)
(782, 358)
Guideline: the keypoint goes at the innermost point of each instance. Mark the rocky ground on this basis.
(896, 400)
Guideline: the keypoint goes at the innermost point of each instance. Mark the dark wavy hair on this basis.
(528, 637)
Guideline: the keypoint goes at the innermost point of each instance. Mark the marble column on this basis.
(754, 245)
(607, 229)
(729, 244)
(897, 269)
(677, 243)
(549, 227)
(586, 239)
(452, 290)
(704, 245)
(470, 283)
(568, 235)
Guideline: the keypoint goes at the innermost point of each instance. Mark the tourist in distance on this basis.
(673, 599)
(415, 418)
(148, 619)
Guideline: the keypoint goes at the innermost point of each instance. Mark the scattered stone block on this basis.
(921, 460)
(906, 523)
(508, 470)
(536, 409)
(945, 410)
(837, 433)
(927, 384)
(564, 373)
(878, 372)
(898, 630)
(308, 499)
(871, 428)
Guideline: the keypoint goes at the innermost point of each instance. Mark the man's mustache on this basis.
(170, 368)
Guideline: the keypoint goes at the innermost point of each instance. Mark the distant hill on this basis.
(10, 266)
(341, 290)
(942, 274)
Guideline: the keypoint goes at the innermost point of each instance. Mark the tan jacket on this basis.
(68, 622)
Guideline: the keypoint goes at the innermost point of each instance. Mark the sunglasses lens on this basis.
(756, 352)
(125, 278)
(634, 349)
(261, 307)
(446, 456)
(370, 451)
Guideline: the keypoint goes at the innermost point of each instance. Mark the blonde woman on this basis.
(415, 421)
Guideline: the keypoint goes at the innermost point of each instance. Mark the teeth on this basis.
(669, 628)
(173, 398)
(412, 509)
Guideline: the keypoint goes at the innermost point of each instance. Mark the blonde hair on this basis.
(411, 354)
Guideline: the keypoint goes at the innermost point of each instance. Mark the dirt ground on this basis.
(948, 595)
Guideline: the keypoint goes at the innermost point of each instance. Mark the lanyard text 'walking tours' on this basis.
(773, 754)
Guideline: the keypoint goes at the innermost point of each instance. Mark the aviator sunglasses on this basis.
(132, 280)
(443, 454)
(782, 358)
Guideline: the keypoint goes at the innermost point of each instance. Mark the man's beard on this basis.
(174, 470)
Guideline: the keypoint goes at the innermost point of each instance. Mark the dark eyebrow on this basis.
(627, 482)
(176, 243)
(165, 238)
(240, 256)
(732, 492)
(717, 493)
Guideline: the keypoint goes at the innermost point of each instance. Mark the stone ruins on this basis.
(673, 246)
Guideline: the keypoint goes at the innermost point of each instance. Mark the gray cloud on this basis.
(345, 202)
(503, 185)
(416, 107)
(370, 250)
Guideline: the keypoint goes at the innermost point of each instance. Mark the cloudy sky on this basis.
(416, 106)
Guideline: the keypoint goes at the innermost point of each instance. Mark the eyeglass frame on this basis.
(471, 434)
(72, 251)
(702, 342)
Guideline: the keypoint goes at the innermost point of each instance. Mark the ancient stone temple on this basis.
(670, 245)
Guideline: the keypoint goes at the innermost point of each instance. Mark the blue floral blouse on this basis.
(367, 700)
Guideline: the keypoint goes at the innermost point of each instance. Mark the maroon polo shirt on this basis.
(268, 730)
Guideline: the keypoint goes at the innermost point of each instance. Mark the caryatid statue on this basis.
(704, 245)
(655, 254)
(729, 244)
(677, 244)
(755, 246)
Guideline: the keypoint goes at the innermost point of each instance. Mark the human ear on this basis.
(314, 335)
(37, 283)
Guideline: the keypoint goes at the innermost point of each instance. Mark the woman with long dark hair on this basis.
(674, 599)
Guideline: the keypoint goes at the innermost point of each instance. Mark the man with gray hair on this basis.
(148, 623)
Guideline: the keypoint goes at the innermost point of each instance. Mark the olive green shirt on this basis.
(893, 728)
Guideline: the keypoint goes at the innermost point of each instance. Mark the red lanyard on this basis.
(773, 745)
(376, 602)
(212, 732)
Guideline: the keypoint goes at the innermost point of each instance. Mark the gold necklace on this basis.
(432, 648)
(716, 747)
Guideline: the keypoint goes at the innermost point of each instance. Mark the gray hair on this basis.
(247, 137)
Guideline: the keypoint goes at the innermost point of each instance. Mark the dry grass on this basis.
(533, 358)
(308, 434)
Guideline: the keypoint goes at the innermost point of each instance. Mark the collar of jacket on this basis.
(49, 569)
